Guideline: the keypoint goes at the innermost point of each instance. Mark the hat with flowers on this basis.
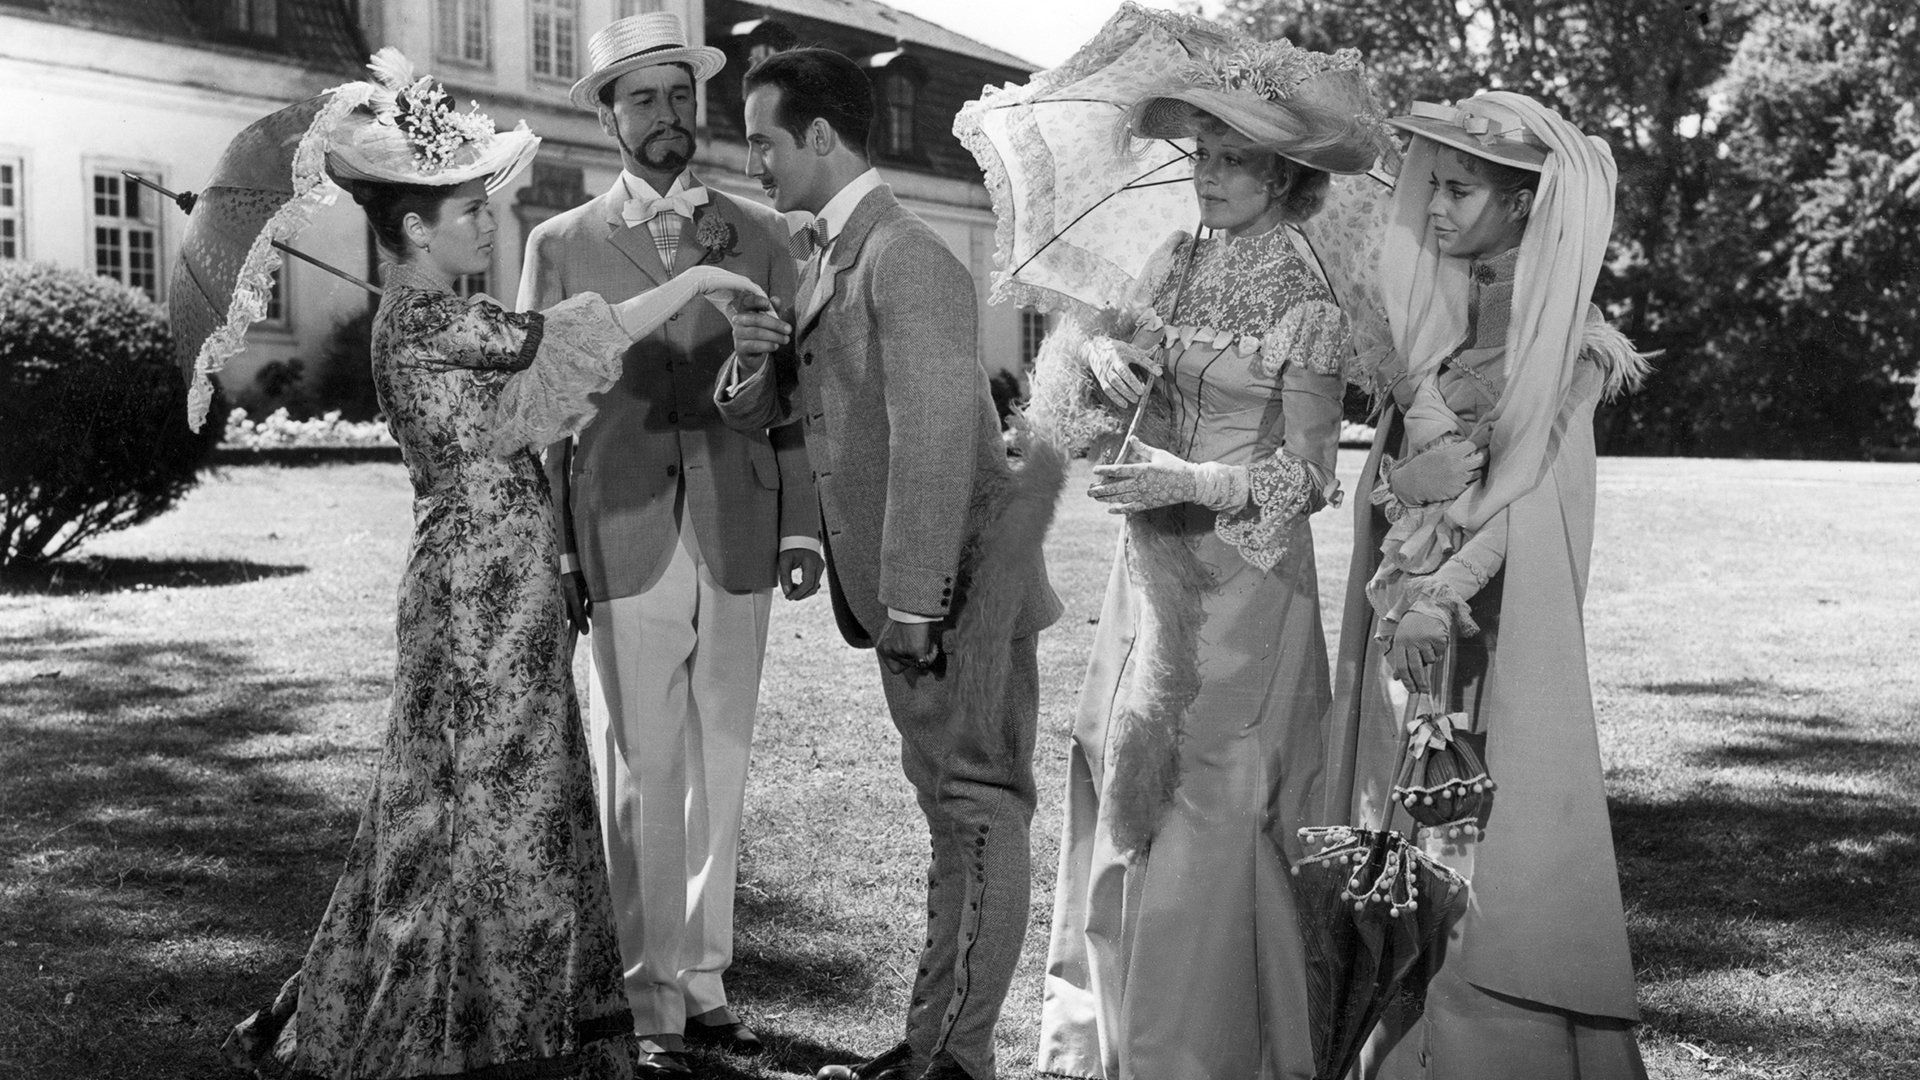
(400, 129)
(1312, 107)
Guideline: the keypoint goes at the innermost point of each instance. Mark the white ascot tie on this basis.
(658, 216)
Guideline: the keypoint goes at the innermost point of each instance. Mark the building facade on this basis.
(158, 87)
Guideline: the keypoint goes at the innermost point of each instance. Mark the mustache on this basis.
(671, 129)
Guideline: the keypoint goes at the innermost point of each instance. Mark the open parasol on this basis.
(1081, 210)
(265, 189)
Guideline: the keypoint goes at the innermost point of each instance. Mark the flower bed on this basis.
(281, 440)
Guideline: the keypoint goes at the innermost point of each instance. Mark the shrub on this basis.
(343, 382)
(93, 417)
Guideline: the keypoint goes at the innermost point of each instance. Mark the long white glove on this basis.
(643, 313)
(1153, 478)
(1121, 368)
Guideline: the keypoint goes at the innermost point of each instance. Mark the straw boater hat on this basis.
(642, 41)
(1481, 127)
(399, 129)
(1311, 107)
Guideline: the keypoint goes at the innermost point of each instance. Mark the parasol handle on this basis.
(187, 200)
(1442, 671)
(328, 267)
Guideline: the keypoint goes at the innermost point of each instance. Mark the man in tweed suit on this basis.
(674, 529)
(932, 541)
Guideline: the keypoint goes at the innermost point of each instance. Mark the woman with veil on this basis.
(1468, 589)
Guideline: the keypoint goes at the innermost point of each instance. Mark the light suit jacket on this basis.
(904, 440)
(614, 485)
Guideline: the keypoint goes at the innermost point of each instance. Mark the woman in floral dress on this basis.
(1175, 954)
(470, 933)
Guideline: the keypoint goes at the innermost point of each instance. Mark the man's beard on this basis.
(658, 158)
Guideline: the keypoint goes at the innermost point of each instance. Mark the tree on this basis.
(1717, 217)
(93, 418)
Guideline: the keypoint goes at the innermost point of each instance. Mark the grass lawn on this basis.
(188, 716)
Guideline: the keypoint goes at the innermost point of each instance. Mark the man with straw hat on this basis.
(673, 531)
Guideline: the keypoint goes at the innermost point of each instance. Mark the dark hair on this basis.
(1507, 181)
(605, 93)
(817, 83)
(387, 206)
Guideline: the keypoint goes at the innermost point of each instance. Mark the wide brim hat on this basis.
(364, 148)
(1309, 107)
(1486, 129)
(399, 128)
(639, 41)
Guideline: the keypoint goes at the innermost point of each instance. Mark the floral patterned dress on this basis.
(471, 933)
(1175, 954)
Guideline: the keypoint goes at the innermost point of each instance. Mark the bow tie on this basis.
(811, 238)
(637, 211)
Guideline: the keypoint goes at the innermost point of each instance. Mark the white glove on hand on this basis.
(1122, 370)
(1440, 472)
(1154, 478)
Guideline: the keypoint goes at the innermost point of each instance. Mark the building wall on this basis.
(168, 106)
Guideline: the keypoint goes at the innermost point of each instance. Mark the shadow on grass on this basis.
(1800, 852)
(161, 862)
(1722, 688)
(107, 574)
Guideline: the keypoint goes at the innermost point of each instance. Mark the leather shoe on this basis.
(732, 1036)
(895, 1064)
(653, 1063)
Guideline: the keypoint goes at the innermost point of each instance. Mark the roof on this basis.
(310, 33)
(878, 18)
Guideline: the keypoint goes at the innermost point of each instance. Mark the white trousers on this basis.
(675, 680)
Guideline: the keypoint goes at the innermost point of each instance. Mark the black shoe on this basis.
(658, 1064)
(895, 1064)
(733, 1036)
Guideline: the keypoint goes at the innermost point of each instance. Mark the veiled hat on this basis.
(1481, 126)
(639, 41)
(401, 130)
(1311, 107)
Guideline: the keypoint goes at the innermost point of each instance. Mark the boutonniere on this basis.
(717, 235)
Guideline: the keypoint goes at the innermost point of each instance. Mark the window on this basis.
(261, 18)
(126, 231)
(463, 31)
(13, 210)
(634, 7)
(899, 77)
(556, 23)
(898, 129)
(1033, 331)
(277, 301)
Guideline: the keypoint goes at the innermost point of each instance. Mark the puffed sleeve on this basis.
(575, 350)
(1297, 477)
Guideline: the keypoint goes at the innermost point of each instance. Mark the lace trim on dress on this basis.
(1254, 294)
(581, 351)
(1283, 493)
(1431, 596)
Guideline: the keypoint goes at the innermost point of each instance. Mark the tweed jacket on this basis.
(616, 482)
(904, 440)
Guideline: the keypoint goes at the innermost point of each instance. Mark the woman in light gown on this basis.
(471, 933)
(1175, 954)
(1499, 225)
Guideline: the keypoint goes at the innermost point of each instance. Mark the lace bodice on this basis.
(1255, 294)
